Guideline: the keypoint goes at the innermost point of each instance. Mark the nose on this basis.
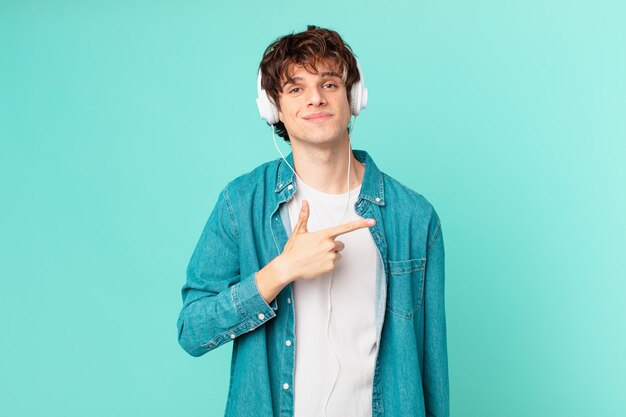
(316, 96)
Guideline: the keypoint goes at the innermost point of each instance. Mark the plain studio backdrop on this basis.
(120, 121)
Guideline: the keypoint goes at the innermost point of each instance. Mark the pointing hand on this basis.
(310, 254)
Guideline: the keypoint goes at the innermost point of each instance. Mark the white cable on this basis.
(330, 286)
(331, 273)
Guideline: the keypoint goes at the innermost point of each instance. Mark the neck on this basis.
(326, 168)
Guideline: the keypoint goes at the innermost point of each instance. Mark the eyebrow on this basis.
(325, 74)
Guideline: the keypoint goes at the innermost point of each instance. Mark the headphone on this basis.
(269, 111)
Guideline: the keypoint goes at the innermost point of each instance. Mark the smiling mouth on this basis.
(318, 118)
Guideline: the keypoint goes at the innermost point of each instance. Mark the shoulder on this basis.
(402, 196)
(253, 193)
(405, 202)
(257, 179)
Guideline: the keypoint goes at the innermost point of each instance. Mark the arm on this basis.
(435, 378)
(218, 303)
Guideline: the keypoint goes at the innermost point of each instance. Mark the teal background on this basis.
(121, 121)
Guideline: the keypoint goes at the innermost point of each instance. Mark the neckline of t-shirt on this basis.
(327, 196)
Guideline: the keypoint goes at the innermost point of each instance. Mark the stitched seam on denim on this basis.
(381, 187)
(435, 236)
(421, 264)
(404, 316)
(226, 335)
(406, 188)
(234, 292)
(376, 393)
(231, 214)
(364, 194)
(229, 401)
(407, 271)
(269, 307)
(280, 371)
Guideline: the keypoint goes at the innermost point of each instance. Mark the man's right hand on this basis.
(310, 254)
(306, 255)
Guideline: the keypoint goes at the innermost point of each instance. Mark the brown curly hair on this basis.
(305, 49)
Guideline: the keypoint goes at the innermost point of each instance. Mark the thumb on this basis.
(301, 226)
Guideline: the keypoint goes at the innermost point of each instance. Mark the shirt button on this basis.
(285, 386)
(288, 343)
(288, 300)
(290, 186)
(232, 335)
(261, 316)
(378, 199)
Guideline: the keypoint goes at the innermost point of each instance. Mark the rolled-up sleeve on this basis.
(219, 304)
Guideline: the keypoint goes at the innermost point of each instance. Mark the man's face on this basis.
(314, 107)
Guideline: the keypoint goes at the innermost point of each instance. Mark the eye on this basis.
(330, 85)
(295, 90)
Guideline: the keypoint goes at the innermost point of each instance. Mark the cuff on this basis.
(251, 304)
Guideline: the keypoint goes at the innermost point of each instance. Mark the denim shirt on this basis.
(249, 227)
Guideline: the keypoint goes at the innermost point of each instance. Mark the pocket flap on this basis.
(406, 267)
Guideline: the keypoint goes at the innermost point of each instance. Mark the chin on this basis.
(322, 138)
(324, 135)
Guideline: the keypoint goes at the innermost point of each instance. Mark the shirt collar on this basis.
(371, 187)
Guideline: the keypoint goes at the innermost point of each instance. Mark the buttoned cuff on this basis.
(251, 304)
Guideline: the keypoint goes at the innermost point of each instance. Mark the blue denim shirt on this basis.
(249, 227)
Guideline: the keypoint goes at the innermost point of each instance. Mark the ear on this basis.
(280, 116)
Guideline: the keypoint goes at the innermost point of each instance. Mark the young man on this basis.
(325, 273)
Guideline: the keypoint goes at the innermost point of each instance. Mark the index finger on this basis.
(348, 227)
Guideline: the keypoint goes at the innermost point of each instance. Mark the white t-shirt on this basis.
(337, 367)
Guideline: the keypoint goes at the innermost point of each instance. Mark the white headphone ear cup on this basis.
(358, 94)
(364, 98)
(355, 98)
(275, 118)
(267, 110)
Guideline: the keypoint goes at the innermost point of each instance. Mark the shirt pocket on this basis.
(405, 287)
